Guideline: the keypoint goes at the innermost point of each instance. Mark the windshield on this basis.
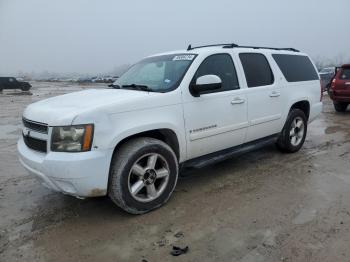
(157, 74)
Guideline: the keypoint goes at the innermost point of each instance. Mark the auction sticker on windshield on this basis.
(183, 57)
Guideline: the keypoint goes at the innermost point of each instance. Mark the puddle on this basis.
(306, 215)
(332, 129)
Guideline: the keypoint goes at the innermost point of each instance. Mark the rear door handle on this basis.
(275, 94)
(237, 100)
(347, 83)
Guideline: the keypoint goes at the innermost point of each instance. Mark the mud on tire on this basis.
(293, 135)
(137, 182)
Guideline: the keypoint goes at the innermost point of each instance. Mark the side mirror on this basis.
(205, 83)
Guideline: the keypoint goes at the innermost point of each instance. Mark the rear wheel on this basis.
(340, 106)
(294, 131)
(143, 175)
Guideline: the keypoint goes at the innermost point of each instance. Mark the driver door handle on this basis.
(275, 94)
(237, 100)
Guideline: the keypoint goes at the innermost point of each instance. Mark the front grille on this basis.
(35, 144)
(36, 126)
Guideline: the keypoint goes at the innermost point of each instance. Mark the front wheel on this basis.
(143, 175)
(294, 131)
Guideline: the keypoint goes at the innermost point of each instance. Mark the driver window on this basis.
(222, 66)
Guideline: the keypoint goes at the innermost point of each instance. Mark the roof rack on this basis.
(232, 45)
(271, 48)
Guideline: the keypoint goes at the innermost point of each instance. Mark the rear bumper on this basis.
(78, 174)
(340, 95)
(315, 110)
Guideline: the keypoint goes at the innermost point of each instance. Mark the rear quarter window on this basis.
(296, 68)
(345, 74)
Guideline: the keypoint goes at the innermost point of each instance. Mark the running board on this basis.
(225, 154)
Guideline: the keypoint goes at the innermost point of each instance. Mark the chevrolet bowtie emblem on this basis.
(26, 132)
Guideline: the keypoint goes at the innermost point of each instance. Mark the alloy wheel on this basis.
(148, 177)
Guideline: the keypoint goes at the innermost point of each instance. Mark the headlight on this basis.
(72, 138)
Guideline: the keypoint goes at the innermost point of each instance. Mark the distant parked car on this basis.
(13, 83)
(110, 79)
(104, 79)
(84, 80)
(340, 88)
(326, 76)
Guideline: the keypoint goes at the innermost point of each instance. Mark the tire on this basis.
(143, 175)
(294, 132)
(25, 87)
(340, 107)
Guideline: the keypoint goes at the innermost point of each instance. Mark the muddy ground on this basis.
(262, 206)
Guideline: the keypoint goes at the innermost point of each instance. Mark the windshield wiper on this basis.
(114, 86)
(138, 87)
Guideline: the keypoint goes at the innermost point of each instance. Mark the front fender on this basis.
(127, 124)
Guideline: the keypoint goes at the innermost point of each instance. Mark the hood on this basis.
(61, 110)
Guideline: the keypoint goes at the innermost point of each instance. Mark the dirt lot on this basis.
(262, 206)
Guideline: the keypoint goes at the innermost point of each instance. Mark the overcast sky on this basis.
(93, 36)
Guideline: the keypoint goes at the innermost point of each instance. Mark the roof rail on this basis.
(232, 45)
(271, 48)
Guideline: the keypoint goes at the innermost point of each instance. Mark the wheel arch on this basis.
(166, 135)
(303, 105)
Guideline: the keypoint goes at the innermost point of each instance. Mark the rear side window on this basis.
(296, 68)
(222, 66)
(256, 69)
(345, 74)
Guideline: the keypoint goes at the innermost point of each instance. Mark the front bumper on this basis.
(79, 174)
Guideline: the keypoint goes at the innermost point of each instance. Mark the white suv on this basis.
(178, 109)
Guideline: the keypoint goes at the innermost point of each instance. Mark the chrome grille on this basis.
(36, 126)
(35, 144)
(35, 135)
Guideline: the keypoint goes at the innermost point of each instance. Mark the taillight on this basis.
(321, 96)
(334, 81)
